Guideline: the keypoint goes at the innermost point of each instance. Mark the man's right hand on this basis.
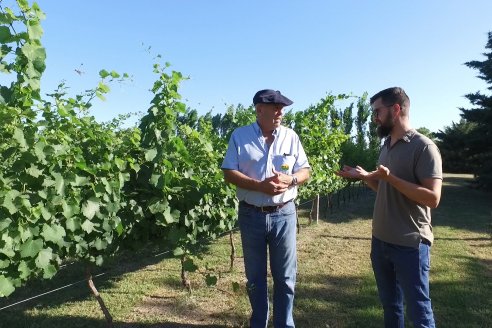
(273, 186)
(352, 172)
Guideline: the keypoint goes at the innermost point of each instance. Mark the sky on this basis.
(306, 49)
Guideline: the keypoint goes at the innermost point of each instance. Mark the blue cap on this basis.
(269, 96)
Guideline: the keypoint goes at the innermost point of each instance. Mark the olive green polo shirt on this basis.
(396, 218)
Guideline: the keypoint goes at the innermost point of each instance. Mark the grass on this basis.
(335, 286)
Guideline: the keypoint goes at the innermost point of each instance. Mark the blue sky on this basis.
(306, 49)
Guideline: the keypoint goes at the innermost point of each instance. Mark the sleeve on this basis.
(231, 157)
(429, 164)
(301, 160)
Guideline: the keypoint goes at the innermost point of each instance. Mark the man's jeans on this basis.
(403, 272)
(276, 230)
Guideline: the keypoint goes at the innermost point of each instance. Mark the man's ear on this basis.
(396, 109)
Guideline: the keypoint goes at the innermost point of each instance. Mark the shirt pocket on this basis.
(284, 163)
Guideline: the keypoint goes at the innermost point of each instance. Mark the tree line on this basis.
(466, 146)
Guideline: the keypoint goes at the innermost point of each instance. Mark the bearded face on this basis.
(386, 126)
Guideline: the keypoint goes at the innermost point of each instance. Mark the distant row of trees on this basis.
(466, 146)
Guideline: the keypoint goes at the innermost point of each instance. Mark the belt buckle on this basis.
(269, 209)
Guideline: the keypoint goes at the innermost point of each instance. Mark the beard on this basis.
(385, 128)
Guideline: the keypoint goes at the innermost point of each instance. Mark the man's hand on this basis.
(382, 172)
(276, 184)
(352, 172)
(282, 178)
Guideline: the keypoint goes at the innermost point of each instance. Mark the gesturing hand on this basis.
(380, 173)
(359, 173)
(352, 172)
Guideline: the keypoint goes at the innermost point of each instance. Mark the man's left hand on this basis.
(282, 178)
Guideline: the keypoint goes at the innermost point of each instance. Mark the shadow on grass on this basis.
(334, 301)
(81, 322)
(70, 285)
(469, 296)
(463, 207)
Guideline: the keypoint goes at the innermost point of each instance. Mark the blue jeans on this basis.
(277, 232)
(402, 271)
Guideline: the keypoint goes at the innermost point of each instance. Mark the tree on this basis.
(428, 133)
(479, 139)
(452, 144)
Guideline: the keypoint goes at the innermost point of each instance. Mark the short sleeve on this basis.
(230, 161)
(429, 164)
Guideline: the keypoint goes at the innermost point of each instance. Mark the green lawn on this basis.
(335, 287)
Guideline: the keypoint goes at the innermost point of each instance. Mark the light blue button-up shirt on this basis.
(249, 154)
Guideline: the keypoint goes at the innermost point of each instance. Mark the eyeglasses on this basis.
(375, 111)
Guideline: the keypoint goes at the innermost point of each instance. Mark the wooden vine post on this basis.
(107, 315)
(233, 250)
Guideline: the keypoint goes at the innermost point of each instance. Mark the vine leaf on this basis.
(31, 248)
(6, 286)
(91, 207)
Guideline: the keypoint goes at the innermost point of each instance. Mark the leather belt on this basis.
(265, 209)
(425, 242)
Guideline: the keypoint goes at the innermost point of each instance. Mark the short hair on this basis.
(391, 96)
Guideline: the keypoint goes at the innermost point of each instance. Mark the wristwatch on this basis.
(294, 181)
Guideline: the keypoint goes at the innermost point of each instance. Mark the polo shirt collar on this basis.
(257, 128)
(407, 137)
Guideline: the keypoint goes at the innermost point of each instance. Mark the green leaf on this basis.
(100, 244)
(44, 258)
(211, 280)
(5, 35)
(34, 30)
(49, 271)
(31, 248)
(59, 183)
(103, 73)
(4, 264)
(80, 181)
(91, 207)
(99, 260)
(5, 223)
(24, 270)
(88, 226)
(189, 265)
(45, 213)
(34, 171)
(73, 224)
(178, 251)
(104, 88)
(19, 137)
(43, 194)
(6, 286)
(8, 201)
(170, 217)
(150, 154)
(69, 210)
(54, 233)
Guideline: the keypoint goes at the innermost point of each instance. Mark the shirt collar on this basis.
(407, 137)
(257, 128)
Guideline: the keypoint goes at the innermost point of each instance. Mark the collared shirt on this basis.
(249, 154)
(396, 218)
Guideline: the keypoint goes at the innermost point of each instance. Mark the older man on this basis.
(266, 162)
